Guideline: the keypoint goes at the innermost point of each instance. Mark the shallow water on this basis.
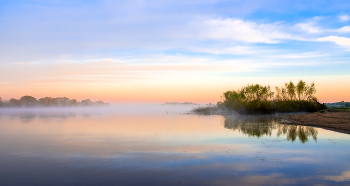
(156, 145)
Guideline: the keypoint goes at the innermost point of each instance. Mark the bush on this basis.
(299, 106)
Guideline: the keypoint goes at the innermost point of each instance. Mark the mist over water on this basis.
(115, 109)
(144, 144)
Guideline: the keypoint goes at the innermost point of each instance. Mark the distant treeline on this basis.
(29, 101)
(176, 103)
(258, 99)
(341, 104)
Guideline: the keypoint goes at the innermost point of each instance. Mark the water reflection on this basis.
(259, 126)
(252, 126)
(114, 148)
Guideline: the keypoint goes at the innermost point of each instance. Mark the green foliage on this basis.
(298, 106)
(301, 91)
(252, 99)
(258, 99)
(257, 93)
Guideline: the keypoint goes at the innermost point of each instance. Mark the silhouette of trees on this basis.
(86, 102)
(29, 101)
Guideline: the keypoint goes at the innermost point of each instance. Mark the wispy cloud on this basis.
(345, 29)
(235, 50)
(238, 30)
(309, 26)
(344, 18)
(135, 69)
(300, 55)
(343, 41)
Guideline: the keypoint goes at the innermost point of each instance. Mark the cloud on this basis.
(345, 29)
(309, 25)
(344, 18)
(309, 28)
(236, 50)
(151, 67)
(343, 41)
(238, 30)
(345, 176)
(300, 55)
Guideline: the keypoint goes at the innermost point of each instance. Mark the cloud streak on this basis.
(237, 30)
(343, 41)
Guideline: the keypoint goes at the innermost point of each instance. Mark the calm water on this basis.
(156, 145)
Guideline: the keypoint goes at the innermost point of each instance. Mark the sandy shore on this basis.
(335, 121)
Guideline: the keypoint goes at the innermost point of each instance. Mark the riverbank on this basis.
(336, 121)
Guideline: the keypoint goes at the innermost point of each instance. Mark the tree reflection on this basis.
(30, 117)
(259, 126)
(294, 131)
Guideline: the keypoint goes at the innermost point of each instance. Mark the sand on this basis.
(335, 121)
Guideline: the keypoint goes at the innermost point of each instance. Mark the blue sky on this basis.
(143, 38)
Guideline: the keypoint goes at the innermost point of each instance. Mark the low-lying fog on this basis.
(123, 109)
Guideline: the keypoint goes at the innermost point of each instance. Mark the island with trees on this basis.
(258, 99)
(30, 101)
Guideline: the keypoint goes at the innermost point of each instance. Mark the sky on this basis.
(171, 51)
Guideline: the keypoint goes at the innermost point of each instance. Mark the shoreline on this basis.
(337, 120)
(334, 121)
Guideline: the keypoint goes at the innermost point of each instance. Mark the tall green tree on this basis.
(300, 92)
(290, 87)
(301, 89)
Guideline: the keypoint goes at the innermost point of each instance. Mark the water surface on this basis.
(156, 145)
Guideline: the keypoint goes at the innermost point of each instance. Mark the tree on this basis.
(300, 92)
(73, 102)
(14, 102)
(86, 102)
(251, 99)
(286, 93)
(290, 87)
(28, 100)
(46, 101)
(257, 93)
(301, 88)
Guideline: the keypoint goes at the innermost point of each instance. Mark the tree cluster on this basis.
(258, 99)
(29, 101)
(299, 92)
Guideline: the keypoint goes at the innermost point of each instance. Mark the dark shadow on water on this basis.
(259, 126)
